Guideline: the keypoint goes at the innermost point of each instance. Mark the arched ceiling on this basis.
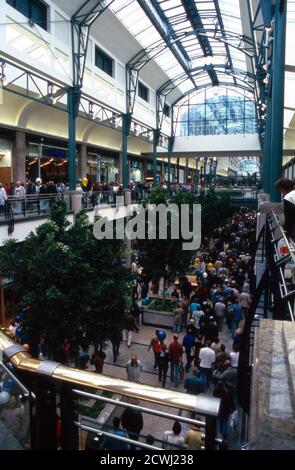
(185, 35)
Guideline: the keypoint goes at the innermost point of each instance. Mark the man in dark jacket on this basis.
(132, 421)
(163, 363)
(193, 383)
(188, 343)
(130, 326)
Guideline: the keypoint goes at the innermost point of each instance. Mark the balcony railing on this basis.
(54, 387)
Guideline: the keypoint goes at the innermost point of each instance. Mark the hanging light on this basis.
(114, 120)
(51, 91)
(91, 113)
(3, 80)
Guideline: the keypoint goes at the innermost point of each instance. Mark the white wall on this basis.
(23, 228)
(49, 52)
(217, 143)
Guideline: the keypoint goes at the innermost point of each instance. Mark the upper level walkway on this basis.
(217, 145)
(21, 215)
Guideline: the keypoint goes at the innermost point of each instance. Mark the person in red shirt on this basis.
(175, 353)
(156, 346)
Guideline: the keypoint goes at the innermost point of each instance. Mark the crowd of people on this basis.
(99, 192)
(215, 306)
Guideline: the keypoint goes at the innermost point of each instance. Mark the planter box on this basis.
(153, 317)
(160, 318)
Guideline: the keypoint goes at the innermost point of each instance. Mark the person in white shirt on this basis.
(134, 368)
(207, 359)
(19, 190)
(19, 193)
(234, 357)
(3, 197)
(173, 439)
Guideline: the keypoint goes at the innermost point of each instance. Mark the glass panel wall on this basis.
(215, 111)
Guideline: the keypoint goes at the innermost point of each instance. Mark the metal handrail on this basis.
(201, 404)
(132, 406)
(291, 248)
(19, 384)
(127, 440)
(280, 261)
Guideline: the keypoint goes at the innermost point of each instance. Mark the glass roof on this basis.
(191, 34)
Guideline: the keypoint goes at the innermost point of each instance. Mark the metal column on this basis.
(186, 171)
(126, 121)
(278, 85)
(266, 157)
(177, 170)
(74, 94)
(156, 137)
(170, 150)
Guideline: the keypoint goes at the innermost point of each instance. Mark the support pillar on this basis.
(196, 181)
(156, 136)
(205, 170)
(74, 95)
(177, 170)
(266, 156)
(144, 164)
(170, 150)
(82, 161)
(127, 241)
(120, 168)
(278, 85)
(19, 157)
(126, 121)
(186, 172)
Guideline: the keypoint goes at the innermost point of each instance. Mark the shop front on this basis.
(149, 177)
(5, 161)
(136, 171)
(46, 162)
(101, 168)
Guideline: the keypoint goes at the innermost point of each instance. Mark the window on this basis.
(103, 62)
(34, 10)
(143, 92)
(166, 110)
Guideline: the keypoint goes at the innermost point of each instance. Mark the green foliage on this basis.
(166, 258)
(76, 285)
(215, 210)
(163, 305)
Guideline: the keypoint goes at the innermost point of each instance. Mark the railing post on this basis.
(69, 432)
(210, 432)
(44, 418)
